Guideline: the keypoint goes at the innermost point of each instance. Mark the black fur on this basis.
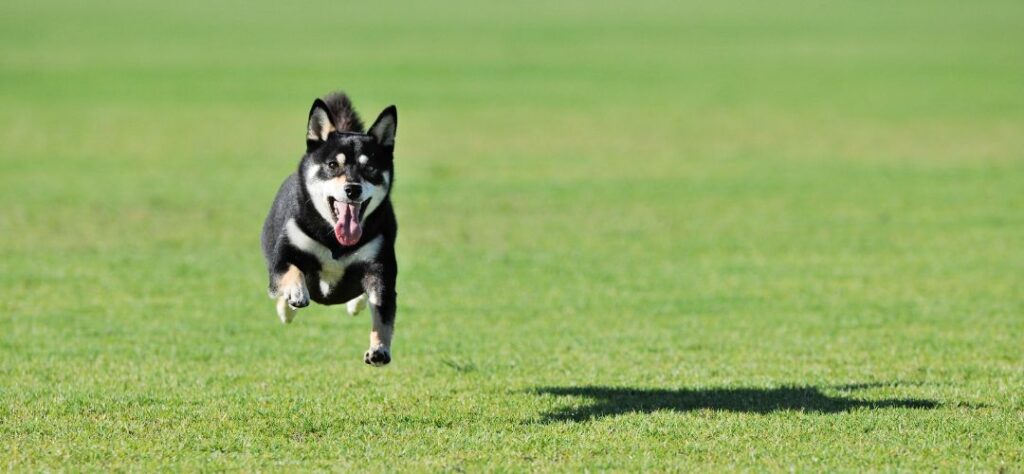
(293, 201)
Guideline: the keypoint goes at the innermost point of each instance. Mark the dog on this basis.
(330, 234)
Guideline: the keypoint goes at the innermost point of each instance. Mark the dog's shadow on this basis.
(611, 401)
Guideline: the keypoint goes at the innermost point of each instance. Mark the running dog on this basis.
(330, 233)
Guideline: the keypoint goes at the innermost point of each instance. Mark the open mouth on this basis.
(348, 217)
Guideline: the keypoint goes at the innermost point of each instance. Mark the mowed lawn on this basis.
(640, 237)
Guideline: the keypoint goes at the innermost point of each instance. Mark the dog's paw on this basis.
(297, 296)
(285, 311)
(355, 305)
(377, 356)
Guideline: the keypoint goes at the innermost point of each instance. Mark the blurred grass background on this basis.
(668, 197)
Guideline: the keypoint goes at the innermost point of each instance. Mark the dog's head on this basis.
(348, 174)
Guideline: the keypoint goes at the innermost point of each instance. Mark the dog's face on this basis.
(348, 175)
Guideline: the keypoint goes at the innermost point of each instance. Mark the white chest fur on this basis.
(331, 269)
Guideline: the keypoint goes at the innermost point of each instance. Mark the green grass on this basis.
(726, 236)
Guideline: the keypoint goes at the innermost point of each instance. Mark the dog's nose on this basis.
(352, 191)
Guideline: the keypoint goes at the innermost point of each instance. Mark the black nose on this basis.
(352, 191)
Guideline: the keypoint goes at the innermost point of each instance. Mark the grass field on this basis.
(643, 237)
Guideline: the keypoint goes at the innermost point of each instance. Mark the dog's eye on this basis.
(332, 165)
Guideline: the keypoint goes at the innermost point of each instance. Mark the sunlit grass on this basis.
(632, 237)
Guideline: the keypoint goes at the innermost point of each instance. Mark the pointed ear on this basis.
(320, 124)
(385, 127)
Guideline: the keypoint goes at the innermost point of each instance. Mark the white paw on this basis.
(296, 295)
(285, 311)
(377, 356)
(355, 305)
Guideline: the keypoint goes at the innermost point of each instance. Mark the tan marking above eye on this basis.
(340, 158)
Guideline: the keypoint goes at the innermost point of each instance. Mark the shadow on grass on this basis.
(610, 401)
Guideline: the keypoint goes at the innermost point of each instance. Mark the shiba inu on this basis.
(330, 233)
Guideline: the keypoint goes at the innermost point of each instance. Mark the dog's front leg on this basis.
(291, 292)
(380, 292)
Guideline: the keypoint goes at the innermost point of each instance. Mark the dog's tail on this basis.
(343, 114)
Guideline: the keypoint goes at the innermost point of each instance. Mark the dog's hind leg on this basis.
(285, 311)
(291, 293)
(355, 305)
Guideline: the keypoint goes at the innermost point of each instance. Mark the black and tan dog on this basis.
(330, 233)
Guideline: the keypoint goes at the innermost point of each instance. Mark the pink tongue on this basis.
(347, 230)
